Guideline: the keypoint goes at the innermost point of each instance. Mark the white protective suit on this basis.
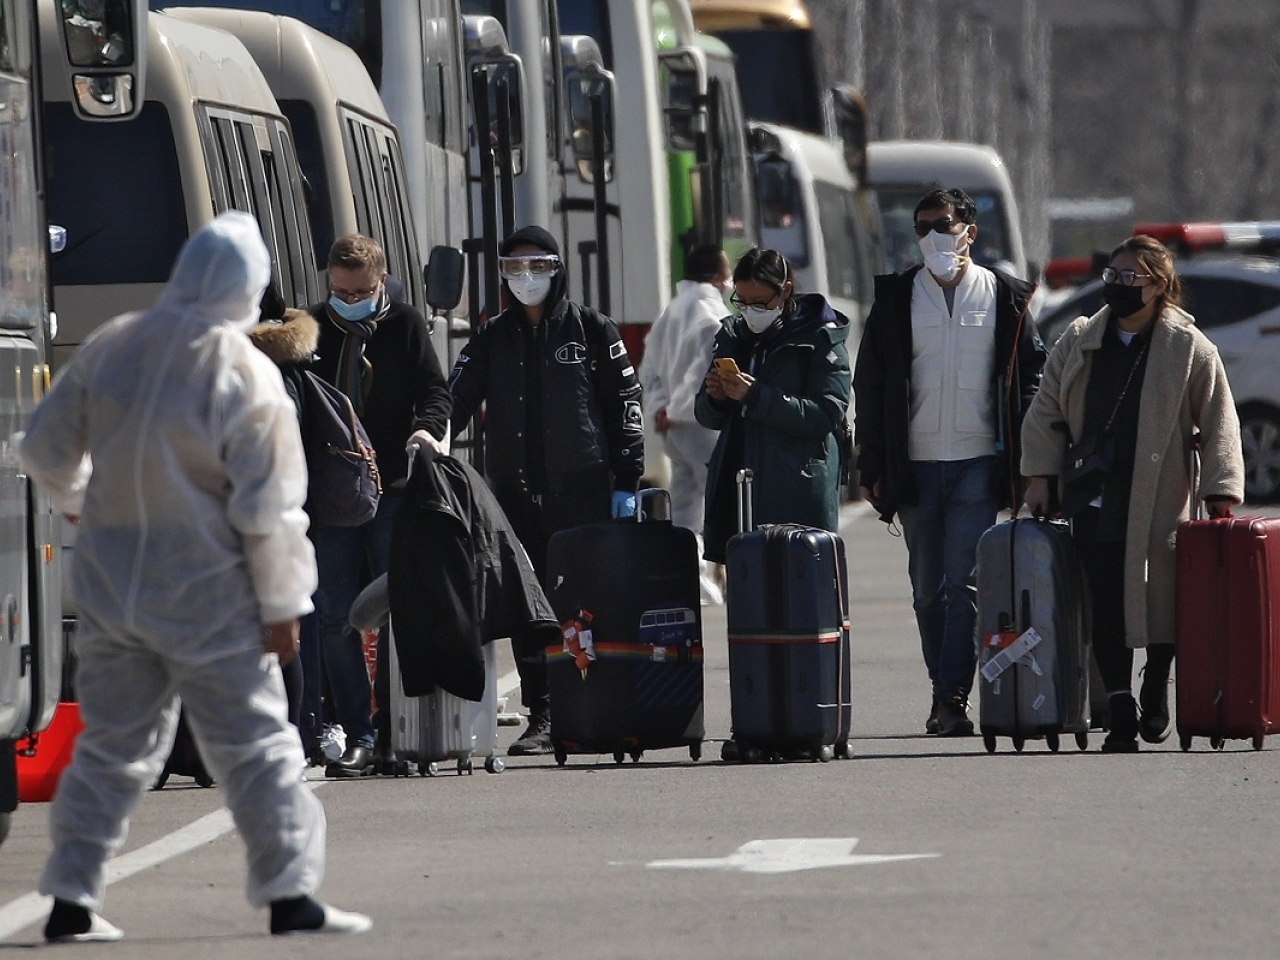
(173, 439)
(677, 355)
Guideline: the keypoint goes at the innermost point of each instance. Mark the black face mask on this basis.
(1123, 301)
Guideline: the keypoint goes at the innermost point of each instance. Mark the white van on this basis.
(903, 171)
(209, 138)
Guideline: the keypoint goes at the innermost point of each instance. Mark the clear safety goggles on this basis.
(538, 265)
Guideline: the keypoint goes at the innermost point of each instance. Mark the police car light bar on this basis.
(1188, 238)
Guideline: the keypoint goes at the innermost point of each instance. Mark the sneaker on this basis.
(931, 725)
(535, 739)
(301, 915)
(1123, 736)
(71, 923)
(953, 719)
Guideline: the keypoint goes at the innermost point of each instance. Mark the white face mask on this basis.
(528, 289)
(942, 253)
(760, 319)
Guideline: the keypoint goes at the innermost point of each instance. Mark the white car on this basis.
(1236, 302)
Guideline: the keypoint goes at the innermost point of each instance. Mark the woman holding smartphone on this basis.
(777, 391)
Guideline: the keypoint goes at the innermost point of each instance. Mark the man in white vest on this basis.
(948, 364)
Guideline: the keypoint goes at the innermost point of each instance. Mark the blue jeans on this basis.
(955, 506)
(348, 558)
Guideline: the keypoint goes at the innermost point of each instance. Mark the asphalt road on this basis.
(1161, 854)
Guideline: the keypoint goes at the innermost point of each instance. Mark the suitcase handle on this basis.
(653, 504)
(746, 479)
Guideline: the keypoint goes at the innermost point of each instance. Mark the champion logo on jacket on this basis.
(571, 353)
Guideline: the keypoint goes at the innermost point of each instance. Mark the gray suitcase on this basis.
(1033, 635)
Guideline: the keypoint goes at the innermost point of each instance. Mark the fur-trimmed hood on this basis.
(291, 340)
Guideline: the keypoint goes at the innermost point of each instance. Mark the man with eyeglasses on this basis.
(948, 364)
(378, 352)
(563, 430)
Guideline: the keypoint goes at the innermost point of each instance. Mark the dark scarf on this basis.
(355, 373)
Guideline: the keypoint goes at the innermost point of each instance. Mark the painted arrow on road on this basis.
(788, 856)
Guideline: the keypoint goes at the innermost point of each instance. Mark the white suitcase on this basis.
(428, 730)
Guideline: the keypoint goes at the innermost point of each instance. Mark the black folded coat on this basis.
(458, 578)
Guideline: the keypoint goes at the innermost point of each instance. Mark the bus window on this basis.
(838, 224)
(124, 210)
(293, 204)
(406, 240)
(306, 134)
(732, 161)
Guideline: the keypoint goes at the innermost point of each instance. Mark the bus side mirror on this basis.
(506, 74)
(106, 48)
(442, 278)
(684, 102)
(585, 87)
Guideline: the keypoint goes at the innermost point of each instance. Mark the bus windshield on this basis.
(897, 206)
(357, 23)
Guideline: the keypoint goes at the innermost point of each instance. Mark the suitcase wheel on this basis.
(1217, 743)
(619, 755)
(752, 755)
(845, 750)
(1051, 741)
(494, 764)
(989, 741)
(429, 769)
(827, 753)
(695, 752)
(466, 766)
(635, 757)
(1082, 740)
(561, 754)
(1184, 741)
(1019, 743)
(1257, 743)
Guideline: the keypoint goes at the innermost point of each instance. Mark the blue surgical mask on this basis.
(360, 310)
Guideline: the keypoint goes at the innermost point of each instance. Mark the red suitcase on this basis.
(1228, 596)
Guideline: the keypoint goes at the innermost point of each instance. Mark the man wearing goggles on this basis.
(563, 431)
(948, 365)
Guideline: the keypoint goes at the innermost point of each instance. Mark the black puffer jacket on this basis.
(587, 394)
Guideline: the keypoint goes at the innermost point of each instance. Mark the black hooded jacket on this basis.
(567, 382)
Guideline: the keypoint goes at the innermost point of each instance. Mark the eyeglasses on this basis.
(538, 265)
(739, 304)
(1125, 276)
(353, 296)
(941, 225)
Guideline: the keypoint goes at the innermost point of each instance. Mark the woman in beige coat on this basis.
(1140, 379)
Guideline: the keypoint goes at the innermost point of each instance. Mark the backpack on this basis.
(344, 485)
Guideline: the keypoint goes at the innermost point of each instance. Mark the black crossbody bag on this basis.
(1093, 457)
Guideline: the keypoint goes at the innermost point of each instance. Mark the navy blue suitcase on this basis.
(787, 591)
(627, 676)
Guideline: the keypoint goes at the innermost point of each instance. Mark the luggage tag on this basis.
(577, 640)
(1022, 645)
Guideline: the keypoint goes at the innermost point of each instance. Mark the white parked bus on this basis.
(812, 211)
(903, 171)
(209, 137)
(347, 147)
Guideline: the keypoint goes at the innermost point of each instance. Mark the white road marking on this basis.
(788, 856)
(21, 913)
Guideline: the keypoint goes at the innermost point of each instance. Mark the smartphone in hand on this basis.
(727, 366)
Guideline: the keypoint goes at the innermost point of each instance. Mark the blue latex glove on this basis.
(624, 504)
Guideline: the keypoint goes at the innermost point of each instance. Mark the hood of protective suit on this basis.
(221, 272)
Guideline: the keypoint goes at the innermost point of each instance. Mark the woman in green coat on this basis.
(778, 404)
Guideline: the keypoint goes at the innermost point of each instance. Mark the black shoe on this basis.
(535, 739)
(71, 923)
(1123, 736)
(356, 762)
(953, 719)
(931, 725)
(1154, 699)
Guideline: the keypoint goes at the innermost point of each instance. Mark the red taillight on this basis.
(1186, 237)
(1068, 272)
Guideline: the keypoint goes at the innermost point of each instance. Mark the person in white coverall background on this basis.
(171, 440)
(677, 355)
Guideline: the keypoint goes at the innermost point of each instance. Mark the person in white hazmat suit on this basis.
(677, 355)
(171, 439)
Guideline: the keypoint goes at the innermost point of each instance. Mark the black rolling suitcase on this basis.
(787, 596)
(627, 676)
(1033, 635)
